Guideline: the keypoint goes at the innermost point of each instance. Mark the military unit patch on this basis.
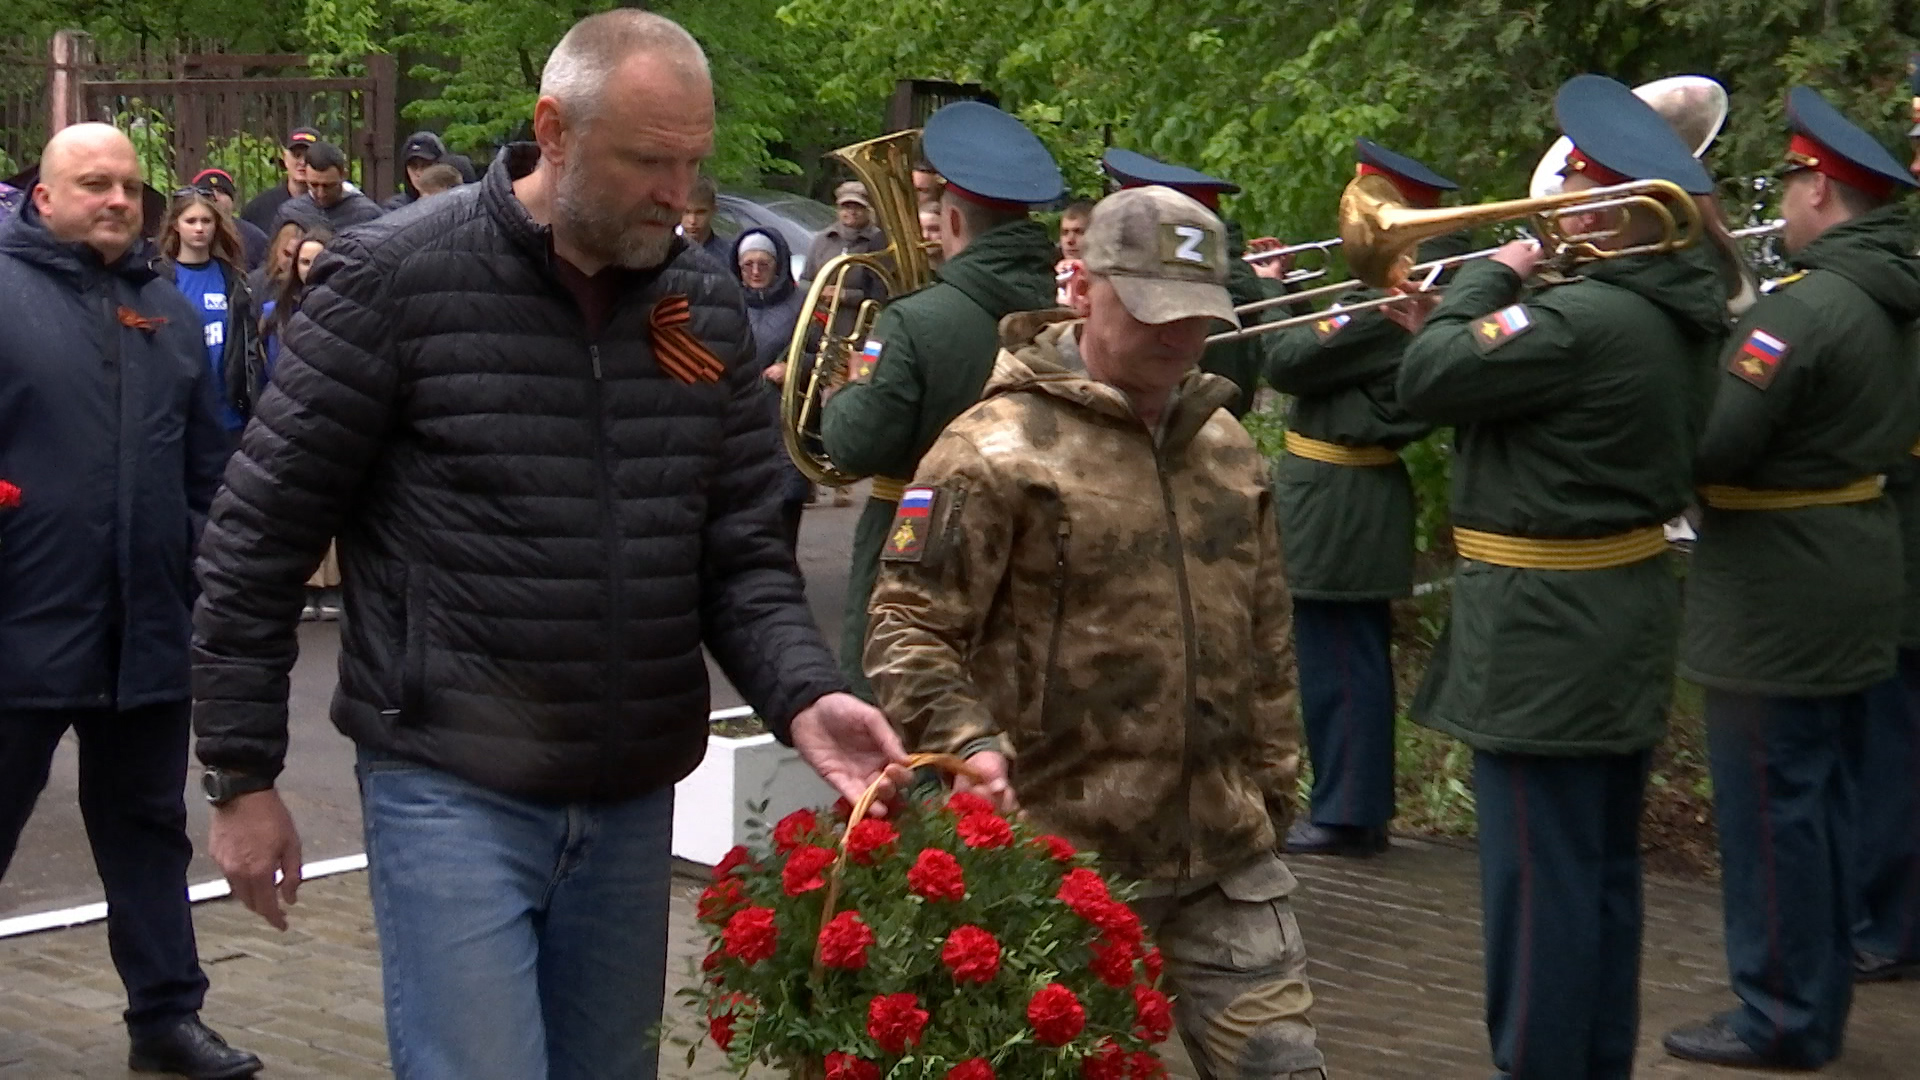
(907, 539)
(868, 359)
(1758, 360)
(1326, 328)
(1502, 326)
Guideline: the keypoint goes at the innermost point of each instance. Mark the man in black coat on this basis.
(535, 422)
(111, 448)
(329, 200)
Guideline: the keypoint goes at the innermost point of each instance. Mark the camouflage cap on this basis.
(1164, 252)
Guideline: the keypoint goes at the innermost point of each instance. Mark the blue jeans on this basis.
(518, 940)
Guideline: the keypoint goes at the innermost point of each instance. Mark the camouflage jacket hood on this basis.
(1109, 607)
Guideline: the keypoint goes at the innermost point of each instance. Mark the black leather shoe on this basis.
(1352, 841)
(1715, 1043)
(1872, 967)
(191, 1049)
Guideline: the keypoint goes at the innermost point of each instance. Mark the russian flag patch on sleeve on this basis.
(1495, 330)
(1332, 324)
(868, 359)
(912, 521)
(1758, 359)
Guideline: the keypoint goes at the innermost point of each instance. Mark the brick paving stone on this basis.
(1394, 945)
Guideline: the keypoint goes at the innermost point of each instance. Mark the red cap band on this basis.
(972, 197)
(1416, 193)
(1810, 154)
(1205, 196)
(1600, 174)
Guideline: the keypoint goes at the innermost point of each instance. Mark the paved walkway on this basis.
(1396, 959)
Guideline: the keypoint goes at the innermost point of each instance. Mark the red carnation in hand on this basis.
(802, 874)
(1080, 890)
(895, 1021)
(735, 858)
(869, 839)
(794, 829)
(965, 803)
(844, 1066)
(1056, 1015)
(1143, 1065)
(1056, 846)
(1154, 1015)
(936, 875)
(719, 899)
(971, 1069)
(1113, 963)
(1152, 962)
(986, 831)
(973, 954)
(1107, 1062)
(750, 935)
(844, 941)
(9, 496)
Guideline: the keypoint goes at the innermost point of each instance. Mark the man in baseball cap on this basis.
(264, 207)
(1101, 485)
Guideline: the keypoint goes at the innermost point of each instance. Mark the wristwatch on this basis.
(222, 787)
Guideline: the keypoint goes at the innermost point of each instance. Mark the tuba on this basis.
(885, 166)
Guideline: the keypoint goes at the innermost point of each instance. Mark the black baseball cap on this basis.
(302, 137)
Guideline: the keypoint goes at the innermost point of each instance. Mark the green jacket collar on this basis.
(1006, 269)
(1875, 252)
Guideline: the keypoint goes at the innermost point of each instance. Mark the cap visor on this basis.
(1158, 300)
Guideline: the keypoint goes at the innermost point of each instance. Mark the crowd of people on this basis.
(530, 435)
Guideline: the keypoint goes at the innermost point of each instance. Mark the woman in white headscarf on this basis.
(763, 263)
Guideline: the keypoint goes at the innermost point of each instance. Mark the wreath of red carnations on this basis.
(964, 944)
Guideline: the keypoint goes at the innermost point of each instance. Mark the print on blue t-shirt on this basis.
(205, 287)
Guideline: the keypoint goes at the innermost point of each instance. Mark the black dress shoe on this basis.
(1872, 967)
(1715, 1043)
(191, 1049)
(1352, 841)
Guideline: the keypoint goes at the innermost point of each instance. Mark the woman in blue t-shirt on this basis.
(209, 268)
(278, 312)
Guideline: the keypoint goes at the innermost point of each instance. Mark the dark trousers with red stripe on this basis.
(1561, 911)
(1785, 777)
(1889, 917)
(1346, 699)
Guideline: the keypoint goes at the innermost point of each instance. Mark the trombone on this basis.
(1295, 276)
(1380, 233)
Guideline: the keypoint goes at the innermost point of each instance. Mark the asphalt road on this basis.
(54, 869)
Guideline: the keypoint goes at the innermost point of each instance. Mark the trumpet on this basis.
(1323, 248)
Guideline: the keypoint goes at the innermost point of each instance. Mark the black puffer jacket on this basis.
(537, 531)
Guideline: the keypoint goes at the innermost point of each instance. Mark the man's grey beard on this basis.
(599, 232)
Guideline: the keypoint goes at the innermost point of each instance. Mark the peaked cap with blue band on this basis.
(1624, 136)
(1132, 169)
(1368, 152)
(1865, 163)
(990, 156)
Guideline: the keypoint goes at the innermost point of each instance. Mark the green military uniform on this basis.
(1241, 360)
(1807, 601)
(936, 349)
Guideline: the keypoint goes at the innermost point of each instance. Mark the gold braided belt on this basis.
(1531, 553)
(1728, 497)
(1334, 454)
(887, 489)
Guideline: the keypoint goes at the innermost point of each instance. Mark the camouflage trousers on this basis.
(1237, 968)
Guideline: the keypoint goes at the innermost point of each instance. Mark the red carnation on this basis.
(1056, 1015)
(804, 868)
(965, 803)
(844, 1066)
(1152, 962)
(9, 496)
(714, 959)
(1154, 1015)
(719, 899)
(750, 935)
(986, 831)
(1145, 1065)
(735, 858)
(720, 1029)
(936, 875)
(971, 1069)
(1117, 923)
(895, 1021)
(1107, 1062)
(869, 838)
(794, 829)
(844, 941)
(842, 809)
(1081, 889)
(1113, 963)
(1056, 846)
(973, 954)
